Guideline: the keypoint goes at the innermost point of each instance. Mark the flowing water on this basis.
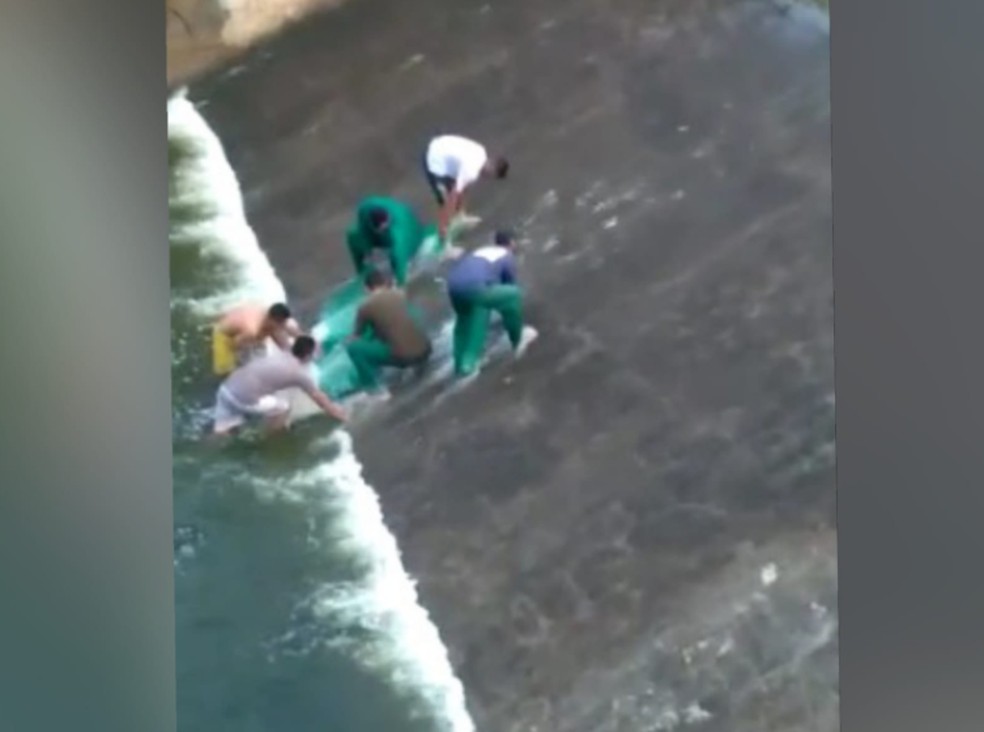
(662, 556)
(292, 605)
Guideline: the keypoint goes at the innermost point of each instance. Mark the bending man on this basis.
(247, 327)
(386, 333)
(389, 225)
(452, 164)
(478, 283)
(251, 390)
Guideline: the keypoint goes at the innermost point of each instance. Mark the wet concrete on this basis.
(590, 523)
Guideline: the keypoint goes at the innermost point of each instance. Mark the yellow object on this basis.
(223, 353)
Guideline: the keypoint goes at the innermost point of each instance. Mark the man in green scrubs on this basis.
(479, 283)
(389, 225)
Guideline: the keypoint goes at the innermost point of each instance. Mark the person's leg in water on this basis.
(230, 415)
(441, 188)
(438, 185)
(368, 356)
(227, 418)
(470, 330)
(277, 420)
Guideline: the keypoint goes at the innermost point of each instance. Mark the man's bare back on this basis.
(250, 324)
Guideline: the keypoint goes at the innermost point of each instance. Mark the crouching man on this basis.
(386, 333)
(251, 391)
(479, 283)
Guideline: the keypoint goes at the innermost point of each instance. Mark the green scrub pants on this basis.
(472, 312)
(369, 355)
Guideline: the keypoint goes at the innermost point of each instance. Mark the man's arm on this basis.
(399, 266)
(327, 405)
(293, 329)
(357, 249)
(507, 273)
(280, 337)
(360, 324)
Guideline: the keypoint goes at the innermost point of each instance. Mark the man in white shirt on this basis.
(453, 163)
(251, 390)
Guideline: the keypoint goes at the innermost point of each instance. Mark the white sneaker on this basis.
(529, 335)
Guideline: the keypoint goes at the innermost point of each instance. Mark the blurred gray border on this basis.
(86, 539)
(908, 195)
(908, 118)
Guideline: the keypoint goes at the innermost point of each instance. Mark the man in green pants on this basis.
(478, 283)
(386, 333)
(386, 224)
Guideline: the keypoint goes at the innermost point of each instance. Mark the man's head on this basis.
(279, 314)
(375, 280)
(497, 167)
(504, 238)
(303, 348)
(379, 219)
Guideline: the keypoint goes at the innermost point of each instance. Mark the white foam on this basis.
(206, 179)
(396, 637)
(769, 574)
(401, 644)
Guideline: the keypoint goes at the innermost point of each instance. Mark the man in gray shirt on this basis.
(251, 390)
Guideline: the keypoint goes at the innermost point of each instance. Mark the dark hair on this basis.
(378, 217)
(501, 168)
(374, 278)
(279, 312)
(303, 347)
(504, 238)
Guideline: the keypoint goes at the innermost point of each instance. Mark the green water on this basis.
(279, 549)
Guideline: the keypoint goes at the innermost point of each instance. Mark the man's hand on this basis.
(328, 406)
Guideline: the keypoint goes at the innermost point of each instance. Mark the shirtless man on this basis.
(251, 390)
(247, 327)
(452, 164)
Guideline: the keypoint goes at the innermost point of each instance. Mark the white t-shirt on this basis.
(452, 156)
(491, 254)
(266, 375)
